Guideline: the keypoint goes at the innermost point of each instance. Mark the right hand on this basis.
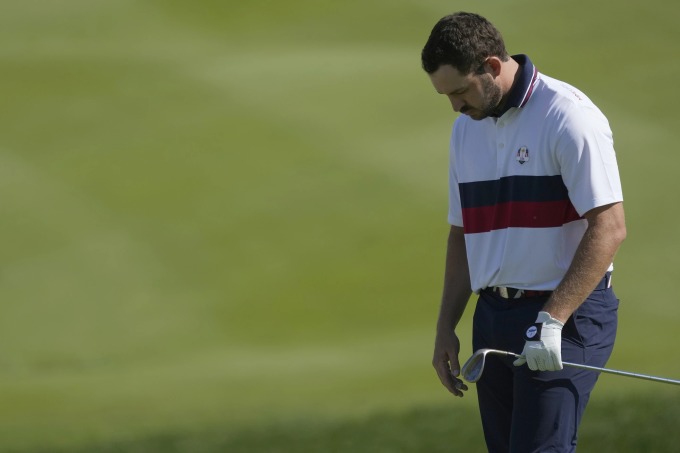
(445, 361)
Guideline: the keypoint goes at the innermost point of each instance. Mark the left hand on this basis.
(543, 347)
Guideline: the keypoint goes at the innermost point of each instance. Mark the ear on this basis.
(494, 65)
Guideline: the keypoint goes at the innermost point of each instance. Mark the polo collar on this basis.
(524, 85)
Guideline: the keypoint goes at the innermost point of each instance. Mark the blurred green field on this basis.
(224, 222)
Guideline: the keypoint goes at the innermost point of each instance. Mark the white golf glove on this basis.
(543, 347)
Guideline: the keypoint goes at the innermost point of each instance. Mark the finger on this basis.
(542, 364)
(460, 385)
(557, 363)
(455, 366)
(446, 378)
(533, 366)
(520, 361)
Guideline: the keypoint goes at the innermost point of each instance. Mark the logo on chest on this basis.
(523, 155)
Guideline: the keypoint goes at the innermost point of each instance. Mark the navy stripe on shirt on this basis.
(516, 202)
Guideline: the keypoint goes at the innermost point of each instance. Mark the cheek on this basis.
(475, 98)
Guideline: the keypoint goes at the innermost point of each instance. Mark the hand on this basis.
(543, 347)
(445, 361)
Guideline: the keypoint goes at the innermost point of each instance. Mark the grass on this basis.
(225, 223)
(615, 424)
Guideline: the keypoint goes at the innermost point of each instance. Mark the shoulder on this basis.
(562, 94)
(567, 105)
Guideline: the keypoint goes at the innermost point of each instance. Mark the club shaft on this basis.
(610, 371)
(622, 373)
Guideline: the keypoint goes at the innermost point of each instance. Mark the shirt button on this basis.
(501, 124)
(501, 145)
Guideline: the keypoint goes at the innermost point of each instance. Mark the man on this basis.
(536, 218)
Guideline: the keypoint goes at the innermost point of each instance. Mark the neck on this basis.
(508, 76)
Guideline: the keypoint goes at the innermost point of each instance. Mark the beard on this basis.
(490, 103)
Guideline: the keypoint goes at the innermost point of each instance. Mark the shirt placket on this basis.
(501, 147)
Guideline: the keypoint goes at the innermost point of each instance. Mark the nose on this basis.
(456, 103)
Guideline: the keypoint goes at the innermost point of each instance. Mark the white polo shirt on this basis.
(520, 183)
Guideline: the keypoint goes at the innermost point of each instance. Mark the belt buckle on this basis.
(505, 292)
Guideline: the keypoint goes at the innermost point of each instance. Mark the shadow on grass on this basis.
(627, 424)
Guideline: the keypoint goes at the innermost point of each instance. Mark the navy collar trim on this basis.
(524, 85)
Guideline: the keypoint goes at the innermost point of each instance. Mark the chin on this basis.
(477, 115)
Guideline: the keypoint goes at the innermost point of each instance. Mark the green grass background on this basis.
(223, 222)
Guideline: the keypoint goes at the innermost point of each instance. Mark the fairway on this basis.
(225, 222)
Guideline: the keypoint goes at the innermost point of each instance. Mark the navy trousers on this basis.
(526, 411)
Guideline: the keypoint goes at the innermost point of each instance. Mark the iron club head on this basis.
(474, 366)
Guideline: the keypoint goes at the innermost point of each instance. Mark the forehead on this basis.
(447, 79)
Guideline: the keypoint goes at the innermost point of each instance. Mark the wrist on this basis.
(445, 328)
(546, 318)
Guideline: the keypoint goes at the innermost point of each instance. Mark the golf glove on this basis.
(543, 347)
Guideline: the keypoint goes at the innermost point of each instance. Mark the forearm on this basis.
(456, 282)
(454, 299)
(605, 233)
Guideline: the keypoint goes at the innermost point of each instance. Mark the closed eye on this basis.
(458, 92)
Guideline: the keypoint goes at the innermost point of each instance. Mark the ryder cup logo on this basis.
(523, 155)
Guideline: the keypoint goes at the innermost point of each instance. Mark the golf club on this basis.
(474, 367)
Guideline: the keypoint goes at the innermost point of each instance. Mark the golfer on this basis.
(536, 218)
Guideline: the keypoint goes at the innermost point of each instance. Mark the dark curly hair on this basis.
(464, 41)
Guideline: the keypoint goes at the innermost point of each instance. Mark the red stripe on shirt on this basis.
(526, 214)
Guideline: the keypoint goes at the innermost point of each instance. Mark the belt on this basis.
(515, 293)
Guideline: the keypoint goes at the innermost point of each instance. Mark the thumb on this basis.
(520, 361)
(455, 365)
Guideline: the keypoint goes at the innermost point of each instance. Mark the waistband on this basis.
(515, 293)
